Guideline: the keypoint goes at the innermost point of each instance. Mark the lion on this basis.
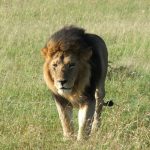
(75, 69)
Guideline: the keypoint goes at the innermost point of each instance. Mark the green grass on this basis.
(28, 116)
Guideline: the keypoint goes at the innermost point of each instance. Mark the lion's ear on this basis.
(44, 52)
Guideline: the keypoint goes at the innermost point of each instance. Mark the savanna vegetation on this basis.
(28, 116)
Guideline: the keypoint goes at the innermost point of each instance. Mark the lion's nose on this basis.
(62, 82)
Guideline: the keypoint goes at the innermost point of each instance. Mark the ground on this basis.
(28, 116)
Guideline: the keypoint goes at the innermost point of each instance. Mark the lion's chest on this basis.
(76, 100)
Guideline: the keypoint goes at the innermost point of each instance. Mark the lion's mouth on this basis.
(63, 88)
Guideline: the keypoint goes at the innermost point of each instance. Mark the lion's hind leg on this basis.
(99, 97)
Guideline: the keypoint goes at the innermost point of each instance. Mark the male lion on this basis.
(75, 70)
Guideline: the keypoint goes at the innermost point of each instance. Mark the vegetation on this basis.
(28, 116)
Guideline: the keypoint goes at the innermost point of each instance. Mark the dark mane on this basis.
(70, 37)
(68, 33)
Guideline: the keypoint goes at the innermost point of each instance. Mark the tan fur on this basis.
(65, 116)
(84, 70)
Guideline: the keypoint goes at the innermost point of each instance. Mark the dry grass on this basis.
(28, 116)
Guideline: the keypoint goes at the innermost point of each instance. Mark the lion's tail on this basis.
(109, 103)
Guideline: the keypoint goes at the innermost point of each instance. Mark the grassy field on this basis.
(28, 116)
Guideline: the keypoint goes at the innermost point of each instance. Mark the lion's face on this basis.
(64, 71)
(67, 68)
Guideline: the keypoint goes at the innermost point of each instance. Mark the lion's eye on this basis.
(71, 65)
(54, 65)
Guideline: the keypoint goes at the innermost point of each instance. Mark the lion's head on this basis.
(66, 68)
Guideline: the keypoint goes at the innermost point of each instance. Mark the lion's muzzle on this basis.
(62, 82)
(63, 87)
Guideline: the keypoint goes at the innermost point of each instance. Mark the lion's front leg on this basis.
(65, 115)
(85, 119)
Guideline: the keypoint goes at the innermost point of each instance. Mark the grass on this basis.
(28, 116)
